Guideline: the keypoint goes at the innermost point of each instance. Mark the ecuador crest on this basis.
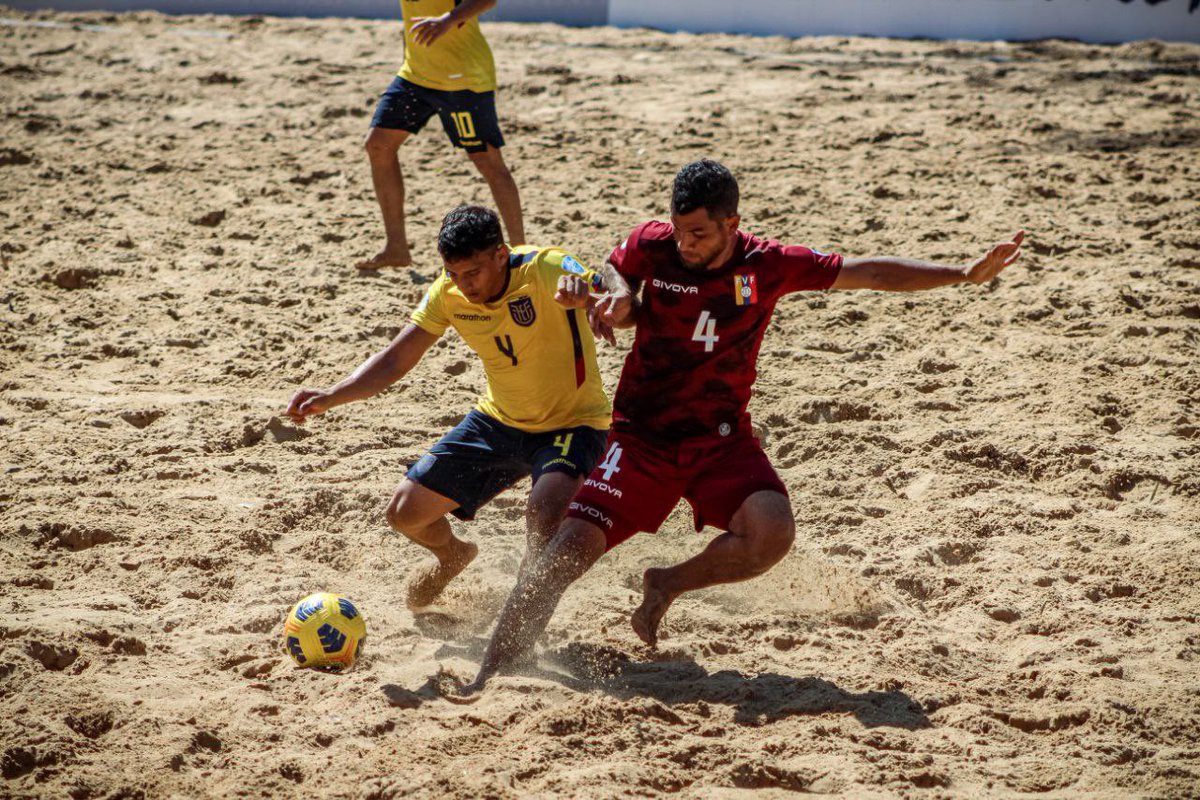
(522, 311)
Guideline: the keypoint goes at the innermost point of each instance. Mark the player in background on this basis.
(701, 294)
(448, 70)
(545, 413)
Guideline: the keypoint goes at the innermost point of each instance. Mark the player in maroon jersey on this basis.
(701, 294)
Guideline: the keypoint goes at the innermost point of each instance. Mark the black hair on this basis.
(705, 184)
(468, 230)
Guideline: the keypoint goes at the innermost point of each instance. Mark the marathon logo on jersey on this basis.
(593, 513)
(745, 289)
(603, 487)
(679, 288)
(522, 311)
(473, 317)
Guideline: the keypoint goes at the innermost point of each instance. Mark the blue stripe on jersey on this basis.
(521, 260)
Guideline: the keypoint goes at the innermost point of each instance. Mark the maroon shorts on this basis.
(637, 484)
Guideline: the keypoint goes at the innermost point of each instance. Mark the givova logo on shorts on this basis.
(593, 512)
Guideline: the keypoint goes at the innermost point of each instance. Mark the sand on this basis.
(996, 584)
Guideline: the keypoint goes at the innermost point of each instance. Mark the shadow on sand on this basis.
(757, 699)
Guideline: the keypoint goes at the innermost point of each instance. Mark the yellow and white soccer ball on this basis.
(324, 631)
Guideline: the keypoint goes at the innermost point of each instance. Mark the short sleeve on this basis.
(430, 315)
(559, 261)
(807, 270)
(629, 259)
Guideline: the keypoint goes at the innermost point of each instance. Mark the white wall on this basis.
(1089, 20)
(565, 12)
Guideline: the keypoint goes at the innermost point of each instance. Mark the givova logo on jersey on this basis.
(678, 288)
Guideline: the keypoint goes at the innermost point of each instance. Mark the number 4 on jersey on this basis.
(706, 331)
(610, 461)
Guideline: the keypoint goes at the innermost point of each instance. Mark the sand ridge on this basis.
(994, 587)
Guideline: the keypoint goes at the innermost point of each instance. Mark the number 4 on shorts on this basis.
(610, 461)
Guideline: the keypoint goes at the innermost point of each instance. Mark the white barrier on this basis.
(565, 12)
(1087, 20)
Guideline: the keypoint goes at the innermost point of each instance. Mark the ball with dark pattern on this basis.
(324, 631)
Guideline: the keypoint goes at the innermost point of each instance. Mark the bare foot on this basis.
(427, 584)
(387, 257)
(655, 603)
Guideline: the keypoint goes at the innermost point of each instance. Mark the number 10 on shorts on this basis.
(463, 124)
(609, 464)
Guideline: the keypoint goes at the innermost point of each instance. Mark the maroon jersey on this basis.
(694, 358)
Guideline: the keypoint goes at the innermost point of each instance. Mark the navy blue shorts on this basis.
(469, 118)
(481, 457)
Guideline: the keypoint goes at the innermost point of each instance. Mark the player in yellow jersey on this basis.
(448, 70)
(523, 310)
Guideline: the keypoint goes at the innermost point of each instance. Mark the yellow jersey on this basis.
(460, 59)
(539, 358)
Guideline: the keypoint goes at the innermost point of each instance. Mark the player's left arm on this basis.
(891, 274)
(427, 30)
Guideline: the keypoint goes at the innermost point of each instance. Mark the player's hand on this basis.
(307, 403)
(996, 260)
(615, 309)
(600, 329)
(427, 30)
(572, 292)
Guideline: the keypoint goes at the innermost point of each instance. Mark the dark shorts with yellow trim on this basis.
(469, 118)
(481, 457)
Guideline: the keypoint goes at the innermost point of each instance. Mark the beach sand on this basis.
(996, 584)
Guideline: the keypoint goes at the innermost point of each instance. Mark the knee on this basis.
(402, 516)
(542, 520)
(771, 543)
(490, 165)
(379, 148)
(575, 547)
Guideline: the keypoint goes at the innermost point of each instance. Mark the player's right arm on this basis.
(623, 274)
(427, 30)
(373, 376)
(618, 305)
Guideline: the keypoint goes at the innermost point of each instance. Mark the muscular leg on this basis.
(548, 502)
(571, 553)
(760, 535)
(504, 189)
(383, 146)
(420, 514)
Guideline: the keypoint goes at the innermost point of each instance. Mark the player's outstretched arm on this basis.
(373, 376)
(427, 30)
(890, 274)
(617, 306)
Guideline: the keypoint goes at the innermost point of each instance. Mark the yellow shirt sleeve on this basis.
(430, 315)
(560, 261)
